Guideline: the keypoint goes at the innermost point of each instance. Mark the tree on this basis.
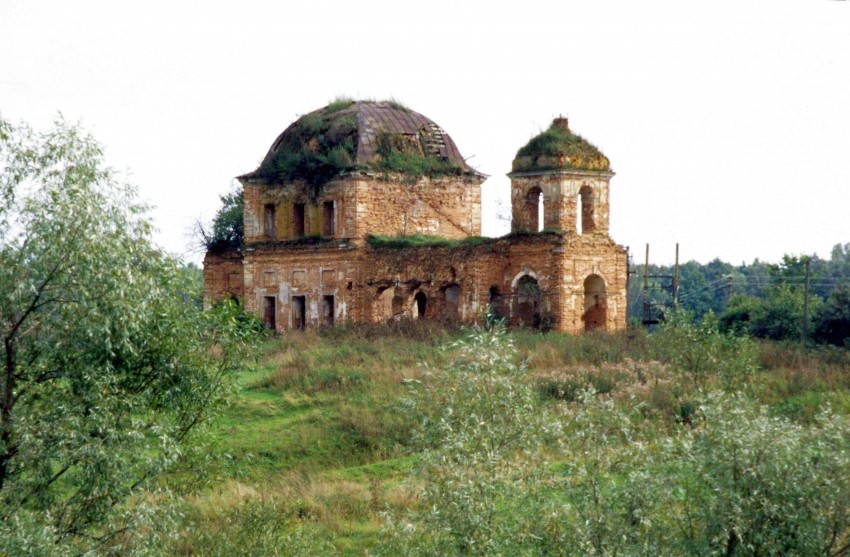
(228, 229)
(110, 367)
(833, 319)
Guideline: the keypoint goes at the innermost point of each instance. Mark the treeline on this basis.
(764, 300)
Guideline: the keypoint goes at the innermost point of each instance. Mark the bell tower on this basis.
(560, 181)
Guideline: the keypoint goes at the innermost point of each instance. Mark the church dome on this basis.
(558, 148)
(370, 136)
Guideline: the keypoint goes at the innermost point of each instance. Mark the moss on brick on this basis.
(559, 148)
(422, 240)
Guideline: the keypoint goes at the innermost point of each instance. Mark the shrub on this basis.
(701, 352)
(481, 442)
(746, 483)
(833, 319)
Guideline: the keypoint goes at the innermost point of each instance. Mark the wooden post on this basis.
(676, 278)
(646, 287)
(805, 328)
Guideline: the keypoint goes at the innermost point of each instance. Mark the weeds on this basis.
(323, 449)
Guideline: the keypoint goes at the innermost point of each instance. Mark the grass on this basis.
(555, 142)
(319, 443)
(422, 240)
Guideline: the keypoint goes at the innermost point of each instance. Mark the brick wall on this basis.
(561, 191)
(222, 276)
(366, 284)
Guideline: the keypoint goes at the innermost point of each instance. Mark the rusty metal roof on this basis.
(374, 118)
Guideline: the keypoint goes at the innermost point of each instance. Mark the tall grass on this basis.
(320, 444)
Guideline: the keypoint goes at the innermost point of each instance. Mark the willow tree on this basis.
(109, 366)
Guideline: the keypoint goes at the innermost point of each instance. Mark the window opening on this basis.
(595, 304)
(494, 303)
(528, 301)
(328, 310)
(299, 312)
(397, 306)
(421, 300)
(269, 218)
(452, 294)
(328, 219)
(534, 212)
(585, 214)
(298, 219)
(269, 312)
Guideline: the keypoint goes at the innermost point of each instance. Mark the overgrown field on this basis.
(414, 439)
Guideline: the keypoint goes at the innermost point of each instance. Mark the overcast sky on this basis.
(727, 122)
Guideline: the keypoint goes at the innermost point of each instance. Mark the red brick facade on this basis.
(307, 261)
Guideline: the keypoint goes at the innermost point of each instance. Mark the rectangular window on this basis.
(298, 220)
(268, 220)
(328, 310)
(299, 312)
(269, 312)
(328, 219)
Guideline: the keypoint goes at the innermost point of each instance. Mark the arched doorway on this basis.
(452, 301)
(595, 314)
(420, 302)
(528, 302)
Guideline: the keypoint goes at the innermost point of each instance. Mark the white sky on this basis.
(727, 122)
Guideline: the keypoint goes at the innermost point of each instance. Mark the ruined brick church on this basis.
(366, 212)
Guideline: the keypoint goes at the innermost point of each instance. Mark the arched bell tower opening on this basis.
(595, 314)
(586, 210)
(528, 211)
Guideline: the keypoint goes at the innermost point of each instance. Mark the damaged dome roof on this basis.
(348, 135)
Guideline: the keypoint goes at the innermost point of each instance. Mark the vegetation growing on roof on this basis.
(322, 145)
(422, 240)
(317, 148)
(227, 231)
(397, 104)
(338, 104)
(406, 155)
(558, 147)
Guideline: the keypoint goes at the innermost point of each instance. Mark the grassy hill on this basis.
(328, 432)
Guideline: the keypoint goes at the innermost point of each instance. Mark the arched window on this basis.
(452, 298)
(595, 315)
(528, 302)
(420, 301)
(398, 306)
(534, 214)
(494, 303)
(585, 214)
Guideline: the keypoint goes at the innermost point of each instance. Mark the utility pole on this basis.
(646, 287)
(805, 328)
(676, 279)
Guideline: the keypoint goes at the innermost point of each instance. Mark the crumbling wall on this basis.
(222, 276)
(340, 193)
(533, 280)
(314, 274)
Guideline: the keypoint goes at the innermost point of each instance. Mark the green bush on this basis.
(832, 322)
(481, 444)
(744, 483)
(702, 353)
